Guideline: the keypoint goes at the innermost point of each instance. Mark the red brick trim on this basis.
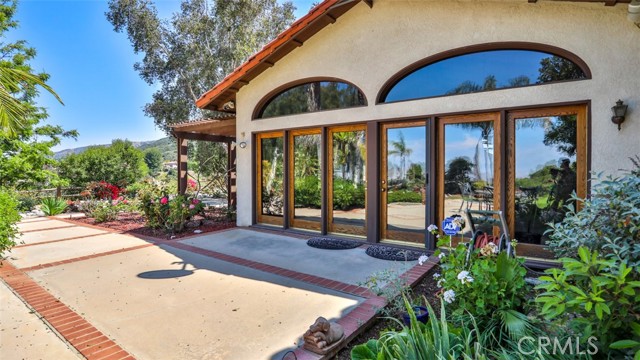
(47, 229)
(59, 240)
(82, 258)
(83, 336)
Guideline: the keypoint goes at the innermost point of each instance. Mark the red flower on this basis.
(195, 201)
(164, 201)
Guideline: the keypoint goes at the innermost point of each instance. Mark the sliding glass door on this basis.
(270, 178)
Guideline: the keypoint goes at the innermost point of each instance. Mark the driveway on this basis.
(77, 291)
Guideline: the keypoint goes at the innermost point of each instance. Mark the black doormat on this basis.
(332, 244)
(391, 253)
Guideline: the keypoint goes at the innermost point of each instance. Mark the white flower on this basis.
(441, 255)
(436, 276)
(438, 236)
(440, 282)
(464, 277)
(432, 228)
(422, 259)
(449, 296)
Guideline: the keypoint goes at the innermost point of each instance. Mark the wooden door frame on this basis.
(331, 227)
(261, 218)
(582, 149)
(496, 118)
(384, 232)
(301, 224)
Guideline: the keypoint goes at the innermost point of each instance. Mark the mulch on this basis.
(134, 223)
(425, 289)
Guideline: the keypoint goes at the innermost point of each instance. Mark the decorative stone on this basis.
(323, 336)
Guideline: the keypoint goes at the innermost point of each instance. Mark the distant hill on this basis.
(167, 147)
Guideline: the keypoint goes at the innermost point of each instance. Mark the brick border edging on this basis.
(78, 332)
(365, 314)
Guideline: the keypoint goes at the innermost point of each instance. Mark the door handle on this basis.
(383, 190)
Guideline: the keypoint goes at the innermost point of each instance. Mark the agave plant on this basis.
(53, 206)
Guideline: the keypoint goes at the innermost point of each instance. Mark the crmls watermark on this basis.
(554, 346)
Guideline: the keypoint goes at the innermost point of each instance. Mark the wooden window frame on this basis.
(301, 224)
(496, 118)
(339, 228)
(260, 217)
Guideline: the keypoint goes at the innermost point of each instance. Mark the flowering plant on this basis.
(103, 190)
(486, 283)
(170, 212)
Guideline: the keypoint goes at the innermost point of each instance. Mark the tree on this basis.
(401, 150)
(120, 164)
(153, 159)
(25, 143)
(457, 173)
(196, 48)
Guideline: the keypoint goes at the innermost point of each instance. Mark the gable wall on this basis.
(368, 46)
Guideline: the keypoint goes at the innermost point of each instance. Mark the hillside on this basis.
(167, 147)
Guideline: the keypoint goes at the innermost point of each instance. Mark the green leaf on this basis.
(366, 351)
(624, 344)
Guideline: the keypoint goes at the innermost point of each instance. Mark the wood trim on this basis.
(508, 45)
(373, 182)
(299, 223)
(260, 218)
(582, 151)
(331, 226)
(259, 108)
(497, 159)
(386, 234)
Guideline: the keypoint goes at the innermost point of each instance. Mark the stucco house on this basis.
(374, 119)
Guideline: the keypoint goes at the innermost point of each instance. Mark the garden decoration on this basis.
(323, 336)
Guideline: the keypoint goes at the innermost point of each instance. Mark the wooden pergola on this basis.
(222, 130)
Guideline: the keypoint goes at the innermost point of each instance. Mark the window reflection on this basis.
(272, 176)
(468, 167)
(545, 165)
(482, 71)
(349, 154)
(315, 96)
(306, 167)
(406, 182)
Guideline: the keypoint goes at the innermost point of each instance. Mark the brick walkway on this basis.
(93, 344)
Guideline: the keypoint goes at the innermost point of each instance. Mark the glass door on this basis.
(347, 180)
(305, 200)
(270, 178)
(547, 164)
(468, 165)
(403, 183)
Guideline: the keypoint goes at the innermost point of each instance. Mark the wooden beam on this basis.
(182, 165)
(203, 137)
(297, 42)
(369, 2)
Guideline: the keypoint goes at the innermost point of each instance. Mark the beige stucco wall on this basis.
(367, 46)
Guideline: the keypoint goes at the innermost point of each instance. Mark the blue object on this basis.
(422, 315)
(449, 227)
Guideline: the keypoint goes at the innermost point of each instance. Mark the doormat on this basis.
(332, 244)
(391, 253)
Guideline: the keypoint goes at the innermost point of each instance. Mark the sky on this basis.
(91, 68)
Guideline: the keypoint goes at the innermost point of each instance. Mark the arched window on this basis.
(483, 68)
(310, 97)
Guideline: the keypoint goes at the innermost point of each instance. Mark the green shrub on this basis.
(170, 212)
(437, 339)
(347, 195)
(307, 192)
(8, 218)
(51, 206)
(608, 222)
(26, 203)
(593, 296)
(407, 196)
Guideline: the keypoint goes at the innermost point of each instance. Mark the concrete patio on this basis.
(234, 294)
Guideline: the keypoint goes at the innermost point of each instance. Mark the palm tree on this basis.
(401, 150)
(13, 111)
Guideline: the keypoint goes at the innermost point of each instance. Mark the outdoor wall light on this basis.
(243, 144)
(619, 111)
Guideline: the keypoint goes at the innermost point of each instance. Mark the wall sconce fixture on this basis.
(619, 111)
(243, 142)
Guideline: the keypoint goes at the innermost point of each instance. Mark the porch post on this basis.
(231, 174)
(182, 165)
